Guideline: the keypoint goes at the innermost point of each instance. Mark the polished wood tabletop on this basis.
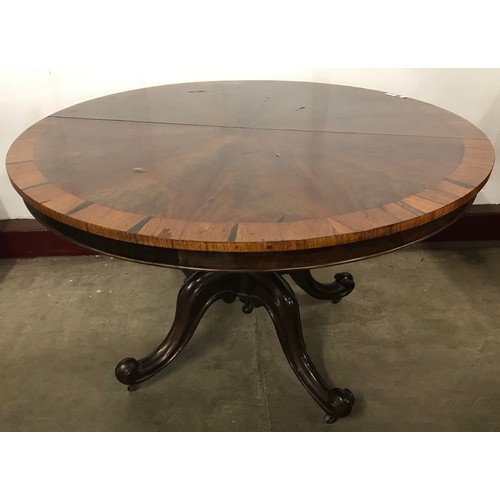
(255, 175)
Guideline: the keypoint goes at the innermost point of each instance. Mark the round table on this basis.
(243, 183)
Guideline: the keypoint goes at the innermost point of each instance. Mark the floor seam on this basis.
(261, 374)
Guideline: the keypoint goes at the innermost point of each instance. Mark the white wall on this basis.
(27, 95)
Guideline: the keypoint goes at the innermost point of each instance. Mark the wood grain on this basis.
(249, 167)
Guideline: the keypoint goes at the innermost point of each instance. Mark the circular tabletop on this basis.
(256, 175)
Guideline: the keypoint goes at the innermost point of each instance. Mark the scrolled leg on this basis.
(276, 296)
(198, 292)
(342, 286)
(268, 290)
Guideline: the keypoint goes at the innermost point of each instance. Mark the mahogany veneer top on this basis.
(251, 166)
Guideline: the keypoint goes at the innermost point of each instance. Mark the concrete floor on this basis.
(418, 342)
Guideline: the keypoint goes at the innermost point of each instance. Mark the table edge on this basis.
(250, 261)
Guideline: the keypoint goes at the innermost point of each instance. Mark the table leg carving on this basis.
(195, 296)
(342, 286)
(269, 290)
(274, 293)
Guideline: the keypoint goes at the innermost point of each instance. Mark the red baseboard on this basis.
(25, 238)
(480, 223)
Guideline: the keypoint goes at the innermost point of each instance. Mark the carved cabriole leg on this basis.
(342, 286)
(198, 292)
(274, 293)
(269, 290)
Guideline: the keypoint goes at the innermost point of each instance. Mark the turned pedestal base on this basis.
(269, 290)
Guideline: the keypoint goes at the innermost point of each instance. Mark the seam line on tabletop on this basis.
(17, 162)
(269, 128)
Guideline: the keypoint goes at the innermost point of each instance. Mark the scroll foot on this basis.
(276, 296)
(342, 286)
(198, 292)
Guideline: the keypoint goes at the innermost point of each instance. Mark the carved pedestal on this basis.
(269, 290)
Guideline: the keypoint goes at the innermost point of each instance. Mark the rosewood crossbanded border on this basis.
(249, 182)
